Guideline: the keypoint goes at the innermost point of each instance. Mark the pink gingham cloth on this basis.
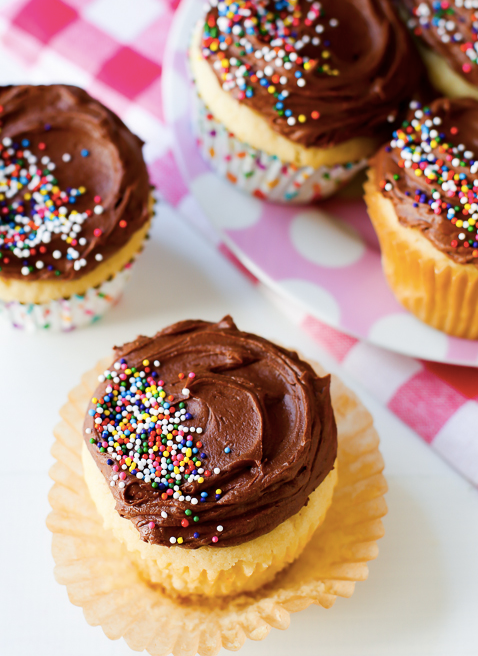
(115, 50)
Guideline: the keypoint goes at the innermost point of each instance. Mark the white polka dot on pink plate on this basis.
(325, 258)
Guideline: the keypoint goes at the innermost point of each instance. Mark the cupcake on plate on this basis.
(294, 95)
(210, 454)
(448, 35)
(422, 197)
(75, 206)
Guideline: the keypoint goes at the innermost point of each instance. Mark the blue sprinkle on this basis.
(109, 461)
(25, 143)
(85, 153)
(196, 535)
(92, 412)
(227, 450)
(204, 494)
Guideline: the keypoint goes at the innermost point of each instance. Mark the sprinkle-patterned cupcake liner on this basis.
(101, 578)
(260, 174)
(66, 314)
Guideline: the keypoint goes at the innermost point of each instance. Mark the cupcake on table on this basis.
(447, 31)
(75, 206)
(211, 454)
(422, 197)
(294, 95)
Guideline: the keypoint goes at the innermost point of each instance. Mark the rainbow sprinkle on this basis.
(146, 434)
(448, 169)
(33, 209)
(283, 35)
(443, 18)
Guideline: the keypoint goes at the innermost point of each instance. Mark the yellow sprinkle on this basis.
(128, 461)
(198, 464)
(271, 89)
(162, 394)
(418, 172)
(433, 143)
(218, 491)
(189, 452)
(201, 480)
(82, 190)
(94, 400)
(180, 540)
(116, 445)
(176, 470)
(302, 118)
(155, 447)
(127, 372)
(459, 223)
(136, 374)
(145, 363)
(214, 47)
(326, 54)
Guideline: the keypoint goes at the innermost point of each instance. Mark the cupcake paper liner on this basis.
(437, 290)
(66, 314)
(260, 174)
(101, 578)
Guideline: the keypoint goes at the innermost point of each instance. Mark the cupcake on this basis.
(293, 95)
(75, 206)
(422, 197)
(448, 33)
(210, 454)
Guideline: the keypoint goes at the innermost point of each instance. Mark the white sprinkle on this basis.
(217, 470)
(122, 484)
(98, 209)
(194, 501)
(172, 540)
(98, 257)
(57, 255)
(25, 271)
(66, 157)
(220, 528)
(198, 430)
(164, 514)
(156, 363)
(185, 391)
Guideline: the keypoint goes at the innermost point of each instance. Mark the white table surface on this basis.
(421, 596)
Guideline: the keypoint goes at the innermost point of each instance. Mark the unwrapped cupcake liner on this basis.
(66, 314)
(260, 174)
(437, 290)
(101, 578)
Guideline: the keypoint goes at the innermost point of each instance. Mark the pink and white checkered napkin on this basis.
(115, 50)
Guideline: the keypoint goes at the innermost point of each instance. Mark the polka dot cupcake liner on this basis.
(102, 579)
(260, 174)
(66, 314)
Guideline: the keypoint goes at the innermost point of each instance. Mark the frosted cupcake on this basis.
(75, 206)
(210, 454)
(295, 95)
(448, 35)
(422, 197)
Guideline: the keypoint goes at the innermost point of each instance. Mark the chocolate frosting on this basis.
(268, 433)
(441, 143)
(73, 183)
(451, 29)
(328, 71)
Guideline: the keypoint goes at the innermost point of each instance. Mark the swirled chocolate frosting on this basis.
(321, 73)
(208, 435)
(430, 173)
(449, 28)
(73, 183)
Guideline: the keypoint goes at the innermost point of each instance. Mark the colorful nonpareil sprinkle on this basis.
(33, 208)
(446, 173)
(449, 26)
(283, 26)
(146, 434)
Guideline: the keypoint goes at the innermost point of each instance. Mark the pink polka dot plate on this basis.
(324, 257)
